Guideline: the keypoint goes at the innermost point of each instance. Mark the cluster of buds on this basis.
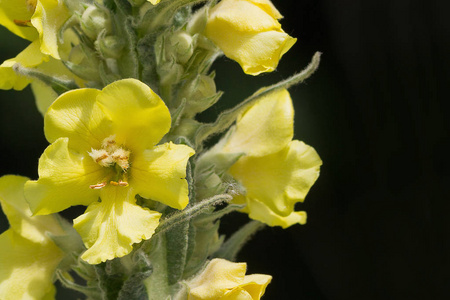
(120, 84)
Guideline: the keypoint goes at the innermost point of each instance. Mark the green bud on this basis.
(187, 128)
(200, 94)
(181, 44)
(110, 46)
(170, 73)
(94, 20)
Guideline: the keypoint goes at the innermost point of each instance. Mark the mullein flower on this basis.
(28, 257)
(104, 151)
(275, 171)
(222, 279)
(248, 32)
(37, 21)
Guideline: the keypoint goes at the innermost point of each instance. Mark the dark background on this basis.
(378, 225)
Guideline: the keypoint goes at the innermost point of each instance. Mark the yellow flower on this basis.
(28, 258)
(104, 145)
(223, 279)
(154, 2)
(248, 32)
(37, 21)
(275, 170)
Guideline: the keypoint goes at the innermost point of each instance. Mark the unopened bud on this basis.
(199, 93)
(170, 73)
(94, 20)
(187, 128)
(181, 44)
(111, 46)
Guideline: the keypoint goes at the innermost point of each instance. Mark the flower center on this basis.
(112, 156)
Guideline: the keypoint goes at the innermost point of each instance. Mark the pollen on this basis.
(112, 156)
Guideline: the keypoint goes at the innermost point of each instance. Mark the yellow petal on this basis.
(44, 95)
(30, 57)
(159, 174)
(26, 267)
(259, 211)
(64, 180)
(48, 18)
(19, 214)
(248, 34)
(256, 284)
(237, 293)
(240, 16)
(154, 2)
(218, 277)
(281, 179)
(77, 115)
(150, 119)
(11, 10)
(109, 228)
(264, 128)
(268, 7)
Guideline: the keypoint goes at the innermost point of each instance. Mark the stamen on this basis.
(98, 186)
(22, 23)
(120, 183)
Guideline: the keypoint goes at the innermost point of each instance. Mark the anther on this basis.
(98, 186)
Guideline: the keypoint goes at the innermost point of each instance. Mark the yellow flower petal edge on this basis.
(11, 10)
(248, 32)
(222, 279)
(154, 2)
(281, 179)
(265, 127)
(64, 180)
(19, 214)
(28, 258)
(151, 118)
(48, 18)
(30, 57)
(26, 267)
(160, 174)
(261, 212)
(109, 228)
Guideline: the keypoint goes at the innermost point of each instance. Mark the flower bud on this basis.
(181, 44)
(199, 94)
(187, 128)
(94, 20)
(170, 73)
(111, 46)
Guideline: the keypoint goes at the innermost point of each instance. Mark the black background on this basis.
(378, 225)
